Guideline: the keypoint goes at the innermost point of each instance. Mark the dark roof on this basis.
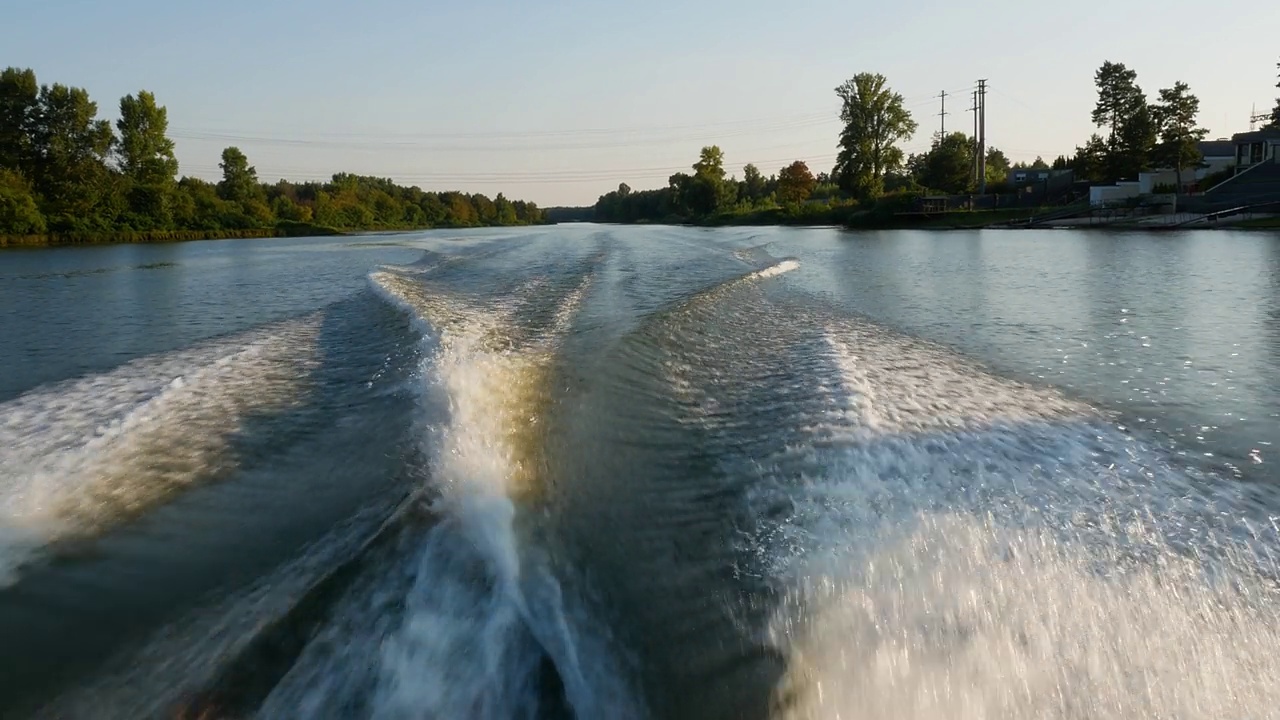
(1218, 148)
(1256, 135)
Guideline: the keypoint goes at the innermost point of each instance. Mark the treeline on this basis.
(707, 192)
(1140, 134)
(872, 173)
(869, 166)
(64, 171)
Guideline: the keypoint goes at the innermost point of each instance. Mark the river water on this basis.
(643, 472)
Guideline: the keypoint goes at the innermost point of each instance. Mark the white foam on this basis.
(785, 266)
(79, 456)
(960, 545)
(474, 634)
(959, 616)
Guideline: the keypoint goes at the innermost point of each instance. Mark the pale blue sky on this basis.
(558, 102)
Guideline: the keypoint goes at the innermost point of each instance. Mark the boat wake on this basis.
(963, 546)
(629, 497)
(482, 628)
(85, 455)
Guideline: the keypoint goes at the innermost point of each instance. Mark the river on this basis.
(590, 471)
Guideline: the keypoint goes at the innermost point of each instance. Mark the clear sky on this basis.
(558, 102)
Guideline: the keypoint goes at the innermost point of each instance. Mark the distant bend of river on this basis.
(589, 471)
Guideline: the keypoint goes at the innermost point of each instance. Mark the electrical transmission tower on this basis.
(982, 137)
(974, 109)
(1255, 117)
(943, 114)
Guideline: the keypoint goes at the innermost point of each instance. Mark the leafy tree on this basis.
(1119, 96)
(69, 167)
(146, 158)
(710, 164)
(706, 191)
(239, 178)
(19, 214)
(1122, 107)
(948, 166)
(145, 152)
(1090, 161)
(710, 190)
(19, 106)
(1275, 113)
(459, 212)
(753, 183)
(433, 211)
(1131, 153)
(285, 208)
(1061, 163)
(795, 183)
(198, 206)
(486, 211)
(506, 210)
(875, 119)
(997, 166)
(1175, 116)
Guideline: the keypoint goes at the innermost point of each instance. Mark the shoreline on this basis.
(159, 237)
(156, 237)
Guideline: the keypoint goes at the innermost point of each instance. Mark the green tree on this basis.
(1090, 161)
(710, 163)
(486, 212)
(997, 166)
(1275, 113)
(459, 212)
(506, 211)
(1131, 153)
(69, 170)
(1122, 108)
(948, 166)
(19, 107)
(146, 158)
(19, 214)
(1119, 96)
(284, 208)
(239, 178)
(1175, 117)
(706, 191)
(197, 205)
(875, 119)
(753, 183)
(795, 183)
(145, 151)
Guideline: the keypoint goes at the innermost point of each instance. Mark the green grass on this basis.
(815, 214)
(956, 219)
(1270, 223)
(284, 229)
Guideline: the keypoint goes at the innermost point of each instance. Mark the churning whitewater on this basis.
(626, 473)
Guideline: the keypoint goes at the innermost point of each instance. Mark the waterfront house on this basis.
(1257, 147)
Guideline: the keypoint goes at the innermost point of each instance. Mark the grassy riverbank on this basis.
(161, 236)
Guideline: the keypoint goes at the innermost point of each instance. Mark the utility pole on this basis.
(943, 114)
(975, 137)
(982, 137)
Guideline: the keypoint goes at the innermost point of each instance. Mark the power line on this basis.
(333, 136)
(943, 114)
(501, 145)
